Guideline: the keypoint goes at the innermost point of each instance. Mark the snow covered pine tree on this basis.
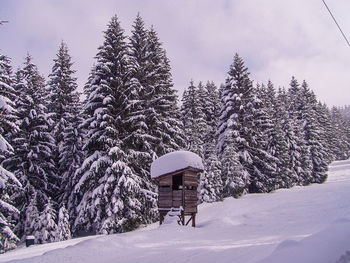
(8, 181)
(108, 192)
(32, 162)
(64, 109)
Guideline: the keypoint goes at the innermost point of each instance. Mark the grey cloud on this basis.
(277, 39)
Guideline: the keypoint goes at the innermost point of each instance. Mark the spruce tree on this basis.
(138, 139)
(199, 116)
(152, 122)
(207, 114)
(152, 125)
(71, 153)
(64, 109)
(270, 101)
(326, 130)
(32, 162)
(305, 169)
(128, 205)
(75, 144)
(313, 136)
(284, 144)
(30, 215)
(8, 96)
(236, 109)
(8, 182)
(63, 225)
(193, 120)
(303, 162)
(108, 192)
(234, 176)
(314, 156)
(163, 117)
(244, 122)
(47, 230)
(339, 142)
(211, 109)
(272, 132)
(210, 181)
(264, 162)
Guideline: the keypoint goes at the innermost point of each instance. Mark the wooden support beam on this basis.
(189, 220)
(181, 220)
(161, 218)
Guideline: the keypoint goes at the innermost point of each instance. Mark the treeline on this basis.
(345, 112)
(259, 139)
(71, 167)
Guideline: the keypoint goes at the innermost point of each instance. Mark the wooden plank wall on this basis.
(168, 198)
(168, 180)
(190, 195)
(165, 194)
(190, 178)
(177, 198)
(191, 201)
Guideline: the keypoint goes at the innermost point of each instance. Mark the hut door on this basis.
(177, 190)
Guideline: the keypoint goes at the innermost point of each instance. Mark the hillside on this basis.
(302, 224)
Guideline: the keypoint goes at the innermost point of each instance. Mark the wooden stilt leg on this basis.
(179, 221)
(161, 218)
(194, 220)
(189, 220)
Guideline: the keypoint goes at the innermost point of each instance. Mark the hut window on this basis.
(177, 182)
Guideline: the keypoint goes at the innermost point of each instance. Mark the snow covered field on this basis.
(303, 224)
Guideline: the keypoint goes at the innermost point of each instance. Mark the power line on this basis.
(341, 31)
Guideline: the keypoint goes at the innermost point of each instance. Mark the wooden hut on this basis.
(176, 174)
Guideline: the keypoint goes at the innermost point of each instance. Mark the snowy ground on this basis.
(304, 224)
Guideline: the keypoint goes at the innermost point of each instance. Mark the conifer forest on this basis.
(74, 164)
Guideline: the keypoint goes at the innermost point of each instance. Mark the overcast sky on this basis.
(276, 38)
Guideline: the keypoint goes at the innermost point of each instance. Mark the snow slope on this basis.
(302, 224)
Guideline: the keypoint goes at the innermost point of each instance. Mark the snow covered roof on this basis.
(175, 161)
